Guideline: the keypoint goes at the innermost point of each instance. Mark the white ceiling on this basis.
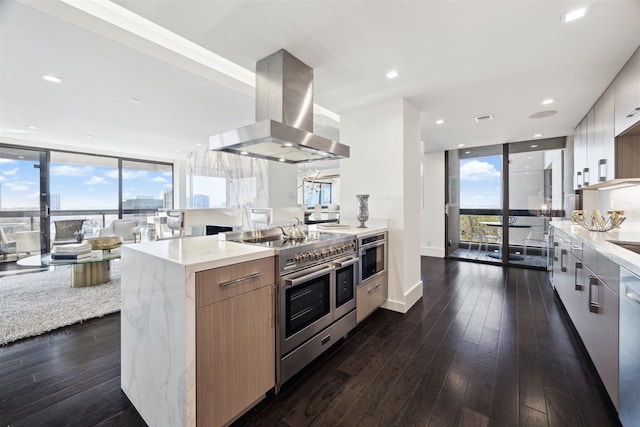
(457, 60)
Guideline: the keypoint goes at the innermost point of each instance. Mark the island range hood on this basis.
(284, 117)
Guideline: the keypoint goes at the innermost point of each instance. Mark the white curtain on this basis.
(246, 178)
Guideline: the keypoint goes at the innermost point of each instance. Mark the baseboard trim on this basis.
(410, 298)
(432, 251)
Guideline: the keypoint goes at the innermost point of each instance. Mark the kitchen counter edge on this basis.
(600, 241)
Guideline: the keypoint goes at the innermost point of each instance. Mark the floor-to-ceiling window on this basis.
(40, 187)
(23, 209)
(500, 199)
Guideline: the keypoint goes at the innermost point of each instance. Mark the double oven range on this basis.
(316, 293)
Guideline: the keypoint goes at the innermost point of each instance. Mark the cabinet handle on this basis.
(585, 174)
(579, 179)
(633, 296)
(602, 170)
(633, 112)
(563, 252)
(241, 279)
(578, 286)
(375, 288)
(594, 307)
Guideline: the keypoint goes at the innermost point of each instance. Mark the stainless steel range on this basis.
(316, 293)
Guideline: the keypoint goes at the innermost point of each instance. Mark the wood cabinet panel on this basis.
(627, 155)
(225, 282)
(235, 362)
(371, 295)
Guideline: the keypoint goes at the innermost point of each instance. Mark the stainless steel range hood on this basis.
(284, 117)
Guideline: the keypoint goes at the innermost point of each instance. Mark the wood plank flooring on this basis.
(486, 346)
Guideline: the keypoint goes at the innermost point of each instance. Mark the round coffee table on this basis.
(90, 271)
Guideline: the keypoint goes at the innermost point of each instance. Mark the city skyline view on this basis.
(78, 186)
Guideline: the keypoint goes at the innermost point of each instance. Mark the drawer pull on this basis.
(375, 288)
(325, 340)
(241, 279)
(633, 296)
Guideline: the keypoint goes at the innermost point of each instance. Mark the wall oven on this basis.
(372, 256)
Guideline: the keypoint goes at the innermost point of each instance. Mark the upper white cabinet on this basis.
(594, 144)
(601, 159)
(627, 95)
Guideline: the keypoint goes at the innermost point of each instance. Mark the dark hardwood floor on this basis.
(485, 346)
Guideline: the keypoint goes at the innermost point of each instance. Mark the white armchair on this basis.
(126, 228)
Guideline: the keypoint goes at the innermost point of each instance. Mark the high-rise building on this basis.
(200, 201)
(142, 202)
(167, 198)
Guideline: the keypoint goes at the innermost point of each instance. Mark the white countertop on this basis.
(628, 232)
(202, 252)
(374, 225)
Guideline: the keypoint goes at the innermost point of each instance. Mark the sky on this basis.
(480, 183)
(79, 186)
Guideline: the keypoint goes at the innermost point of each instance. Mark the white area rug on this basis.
(35, 303)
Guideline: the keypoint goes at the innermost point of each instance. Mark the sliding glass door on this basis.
(500, 199)
(475, 203)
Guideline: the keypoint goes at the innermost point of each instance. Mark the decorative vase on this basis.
(362, 211)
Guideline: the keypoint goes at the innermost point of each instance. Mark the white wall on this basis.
(432, 213)
(385, 163)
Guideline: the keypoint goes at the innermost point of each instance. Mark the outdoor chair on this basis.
(68, 231)
(481, 235)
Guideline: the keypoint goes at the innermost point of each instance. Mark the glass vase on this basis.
(362, 210)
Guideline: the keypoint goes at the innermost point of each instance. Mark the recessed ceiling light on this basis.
(89, 136)
(537, 135)
(178, 151)
(134, 101)
(288, 144)
(281, 160)
(50, 78)
(198, 144)
(244, 153)
(467, 152)
(574, 14)
(392, 74)
(529, 158)
(534, 146)
(460, 145)
(32, 127)
(21, 157)
(548, 101)
(439, 121)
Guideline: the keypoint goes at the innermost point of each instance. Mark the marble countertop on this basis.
(600, 241)
(201, 253)
(374, 225)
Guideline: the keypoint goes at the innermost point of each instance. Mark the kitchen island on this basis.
(161, 301)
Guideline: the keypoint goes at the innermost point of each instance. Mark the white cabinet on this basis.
(579, 153)
(627, 95)
(587, 282)
(592, 304)
(601, 155)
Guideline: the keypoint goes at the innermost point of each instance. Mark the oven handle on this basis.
(372, 245)
(302, 279)
(345, 262)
